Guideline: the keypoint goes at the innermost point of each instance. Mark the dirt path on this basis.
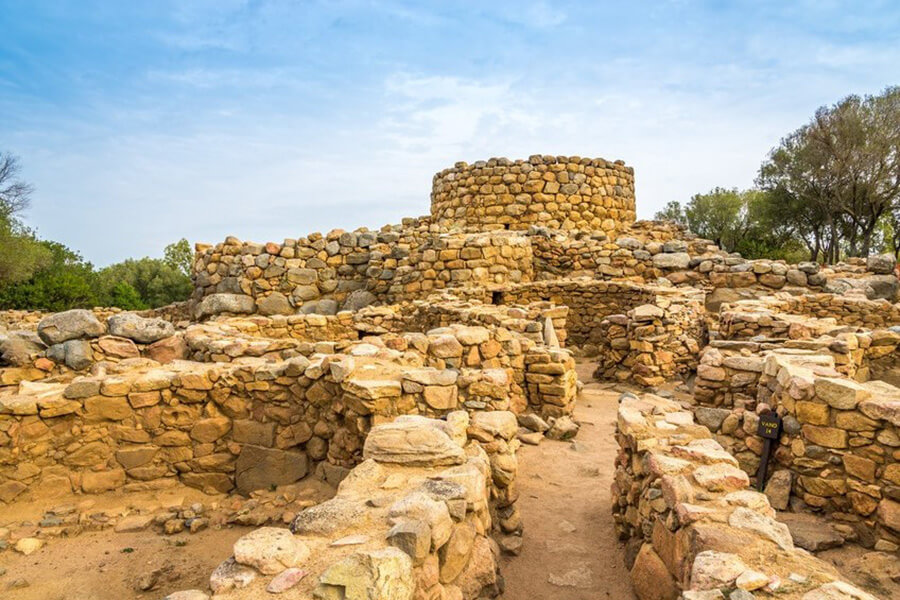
(570, 550)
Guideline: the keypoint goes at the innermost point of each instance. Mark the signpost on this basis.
(769, 428)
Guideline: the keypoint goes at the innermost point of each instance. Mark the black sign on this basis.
(769, 426)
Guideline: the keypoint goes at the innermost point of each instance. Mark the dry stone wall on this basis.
(410, 522)
(804, 316)
(839, 445)
(652, 343)
(560, 192)
(693, 528)
(221, 425)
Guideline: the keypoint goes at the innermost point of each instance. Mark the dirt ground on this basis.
(107, 565)
(570, 550)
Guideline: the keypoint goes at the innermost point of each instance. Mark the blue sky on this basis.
(143, 122)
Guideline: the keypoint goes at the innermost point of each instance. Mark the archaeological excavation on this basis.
(524, 394)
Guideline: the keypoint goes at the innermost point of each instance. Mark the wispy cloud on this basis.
(269, 119)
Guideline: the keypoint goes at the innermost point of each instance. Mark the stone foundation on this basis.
(693, 528)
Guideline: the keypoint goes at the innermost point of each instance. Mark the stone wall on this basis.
(804, 316)
(410, 522)
(559, 192)
(348, 270)
(838, 449)
(589, 302)
(653, 343)
(196, 421)
(693, 528)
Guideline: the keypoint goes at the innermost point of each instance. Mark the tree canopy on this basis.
(831, 187)
(43, 274)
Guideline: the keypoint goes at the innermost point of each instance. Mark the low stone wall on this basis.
(561, 192)
(411, 521)
(729, 370)
(76, 340)
(589, 302)
(693, 528)
(195, 421)
(653, 342)
(804, 316)
(838, 448)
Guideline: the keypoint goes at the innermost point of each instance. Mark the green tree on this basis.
(672, 211)
(66, 281)
(155, 282)
(20, 253)
(719, 215)
(840, 174)
(179, 256)
(123, 295)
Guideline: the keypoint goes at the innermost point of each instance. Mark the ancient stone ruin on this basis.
(407, 365)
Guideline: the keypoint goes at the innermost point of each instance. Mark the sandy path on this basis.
(565, 504)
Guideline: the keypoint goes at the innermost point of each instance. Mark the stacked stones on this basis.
(223, 425)
(839, 441)
(694, 530)
(803, 316)
(314, 273)
(552, 382)
(76, 340)
(495, 432)
(570, 193)
(652, 342)
(589, 302)
(409, 523)
(845, 454)
(479, 259)
(729, 370)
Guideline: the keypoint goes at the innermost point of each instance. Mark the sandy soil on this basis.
(106, 565)
(570, 549)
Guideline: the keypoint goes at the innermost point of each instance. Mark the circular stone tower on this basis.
(559, 192)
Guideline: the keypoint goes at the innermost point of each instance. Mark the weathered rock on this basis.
(650, 577)
(563, 428)
(674, 260)
(385, 573)
(456, 552)
(259, 468)
(413, 537)
(69, 325)
(140, 329)
(168, 349)
(230, 575)
(713, 569)
(882, 264)
(778, 489)
(216, 304)
(270, 550)
(358, 299)
(412, 443)
(810, 532)
(285, 580)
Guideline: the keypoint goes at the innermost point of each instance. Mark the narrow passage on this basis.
(570, 549)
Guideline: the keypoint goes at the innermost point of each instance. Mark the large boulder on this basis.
(18, 347)
(69, 325)
(270, 550)
(75, 354)
(883, 264)
(275, 303)
(414, 442)
(385, 573)
(358, 299)
(140, 329)
(675, 260)
(214, 304)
